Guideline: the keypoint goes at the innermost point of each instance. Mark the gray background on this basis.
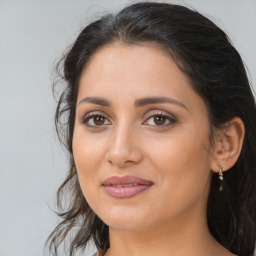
(32, 35)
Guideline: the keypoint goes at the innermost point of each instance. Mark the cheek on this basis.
(183, 162)
(183, 147)
(184, 175)
(87, 149)
(87, 156)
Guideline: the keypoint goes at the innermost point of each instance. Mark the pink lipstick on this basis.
(125, 186)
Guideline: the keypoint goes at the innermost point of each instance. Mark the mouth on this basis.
(125, 186)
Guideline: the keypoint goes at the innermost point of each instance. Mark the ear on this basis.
(228, 145)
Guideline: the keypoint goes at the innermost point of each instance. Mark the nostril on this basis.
(122, 158)
(119, 163)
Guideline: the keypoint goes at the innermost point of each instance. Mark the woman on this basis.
(160, 131)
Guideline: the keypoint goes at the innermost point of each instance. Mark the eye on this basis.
(160, 119)
(95, 120)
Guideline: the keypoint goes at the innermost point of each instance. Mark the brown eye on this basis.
(99, 120)
(93, 120)
(159, 120)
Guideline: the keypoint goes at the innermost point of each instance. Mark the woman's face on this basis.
(141, 139)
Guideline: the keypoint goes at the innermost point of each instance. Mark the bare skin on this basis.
(118, 136)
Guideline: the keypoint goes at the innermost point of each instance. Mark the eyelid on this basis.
(95, 113)
(154, 113)
(159, 112)
(90, 115)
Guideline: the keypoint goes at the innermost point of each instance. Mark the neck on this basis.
(186, 236)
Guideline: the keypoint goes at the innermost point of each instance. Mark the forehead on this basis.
(142, 56)
(121, 70)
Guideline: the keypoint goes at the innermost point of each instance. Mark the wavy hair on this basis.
(216, 72)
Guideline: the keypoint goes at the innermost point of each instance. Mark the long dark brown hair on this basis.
(216, 72)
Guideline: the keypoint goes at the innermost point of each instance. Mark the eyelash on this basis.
(171, 120)
(92, 115)
(89, 116)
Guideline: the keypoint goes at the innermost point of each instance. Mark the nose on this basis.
(124, 149)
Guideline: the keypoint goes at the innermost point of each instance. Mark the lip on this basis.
(125, 186)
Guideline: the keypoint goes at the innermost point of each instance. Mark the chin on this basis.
(125, 219)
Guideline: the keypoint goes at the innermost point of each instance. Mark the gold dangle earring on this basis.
(220, 176)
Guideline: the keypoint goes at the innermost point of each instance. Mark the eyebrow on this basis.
(156, 100)
(138, 103)
(96, 100)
